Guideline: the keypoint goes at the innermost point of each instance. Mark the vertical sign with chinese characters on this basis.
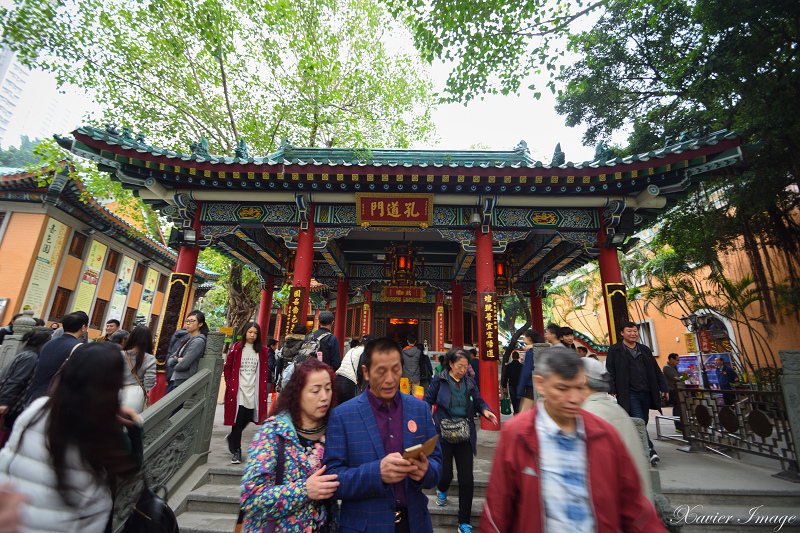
(55, 235)
(691, 346)
(295, 307)
(705, 341)
(121, 289)
(148, 292)
(394, 209)
(90, 278)
(439, 347)
(487, 322)
(366, 314)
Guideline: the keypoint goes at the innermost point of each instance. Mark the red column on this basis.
(537, 313)
(484, 273)
(340, 320)
(304, 262)
(609, 273)
(187, 255)
(265, 308)
(457, 314)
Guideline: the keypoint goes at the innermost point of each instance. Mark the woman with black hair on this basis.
(141, 365)
(246, 375)
(17, 376)
(457, 399)
(192, 347)
(65, 449)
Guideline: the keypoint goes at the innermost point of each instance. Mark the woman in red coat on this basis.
(246, 387)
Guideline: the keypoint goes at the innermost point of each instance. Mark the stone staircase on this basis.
(212, 506)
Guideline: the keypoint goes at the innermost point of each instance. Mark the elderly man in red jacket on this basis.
(559, 468)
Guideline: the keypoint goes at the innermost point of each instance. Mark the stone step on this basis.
(202, 522)
(212, 498)
(744, 498)
(226, 475)
(479, 490)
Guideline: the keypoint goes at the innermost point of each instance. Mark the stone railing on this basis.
(175, 444)
(12, 344)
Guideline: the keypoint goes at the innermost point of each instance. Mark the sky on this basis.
(496, 122)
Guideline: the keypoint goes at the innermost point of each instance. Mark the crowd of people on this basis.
(341, 449)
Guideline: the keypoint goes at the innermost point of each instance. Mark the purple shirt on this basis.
(389, 419)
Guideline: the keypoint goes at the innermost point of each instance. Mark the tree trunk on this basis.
(241, 304)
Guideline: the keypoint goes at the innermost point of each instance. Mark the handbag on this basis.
(505, 405)
(151, 514)
(280, 460)
(454, 431)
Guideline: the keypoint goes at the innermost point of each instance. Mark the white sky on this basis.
(496, 122)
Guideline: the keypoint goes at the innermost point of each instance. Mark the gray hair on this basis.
(118, 336)
(599, 385)
(559, 360)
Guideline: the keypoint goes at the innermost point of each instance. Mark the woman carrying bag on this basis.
(456, 398)
(15, 379)
(66, 448)
(285, 488)
(246, 375)
(140, 366)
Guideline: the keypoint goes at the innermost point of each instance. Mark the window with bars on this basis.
(348, 328)
(138, 276)
(154, 324)
(97, 315)
(59, 308)
(112, 263)
(77, 245)
(130, 314)
(357, 323)
(162, 282)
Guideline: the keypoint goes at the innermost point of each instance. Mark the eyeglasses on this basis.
(190, 321)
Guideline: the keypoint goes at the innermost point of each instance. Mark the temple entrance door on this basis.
(399, 328)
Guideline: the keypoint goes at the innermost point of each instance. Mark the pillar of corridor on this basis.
(537, 312)
(457, 314)
(484, 273)
(265, 308)
(340, 320)
(615, 296)
(304, 263)
(278, 325)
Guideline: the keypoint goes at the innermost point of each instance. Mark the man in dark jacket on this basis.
(511, 380)
(331, 352)
(54, 353)
(636, 378)
(9, 329)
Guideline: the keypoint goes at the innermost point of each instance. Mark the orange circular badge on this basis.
(412, 426)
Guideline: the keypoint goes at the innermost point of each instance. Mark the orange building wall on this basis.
(21, 240)
(106, 288)
(135, 295)
(70, 273)
(158, 303)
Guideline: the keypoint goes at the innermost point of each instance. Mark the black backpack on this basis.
(152, 514)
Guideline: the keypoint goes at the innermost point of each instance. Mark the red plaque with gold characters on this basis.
(396, 294)
(295, 307)
(394, 209)
(366, 319)
(487, 322)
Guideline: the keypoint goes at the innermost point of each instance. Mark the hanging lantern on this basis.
(402, 261)
(503, 265)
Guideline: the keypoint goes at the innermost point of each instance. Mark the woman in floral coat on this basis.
(302, 502)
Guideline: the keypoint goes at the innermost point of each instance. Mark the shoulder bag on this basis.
(454, 431)
(279, 466)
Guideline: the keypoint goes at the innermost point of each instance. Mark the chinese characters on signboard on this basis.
(379, 209)
(90, 278)
(691, 345)
(55, 235)
(487, 321)
(389, 293)
(439, 328)
(366, 319)
(296, 308)
(705, 341)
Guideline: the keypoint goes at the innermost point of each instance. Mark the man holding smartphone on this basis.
(366, 438)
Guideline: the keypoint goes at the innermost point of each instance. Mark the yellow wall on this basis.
(71, 272)
(18, 249)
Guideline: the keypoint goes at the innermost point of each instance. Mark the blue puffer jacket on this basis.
(439, 394)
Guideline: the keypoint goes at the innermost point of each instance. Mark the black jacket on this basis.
(618, 370)
(511, 376)
(51, 357)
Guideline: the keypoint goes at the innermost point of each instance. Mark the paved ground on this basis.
(678, 470)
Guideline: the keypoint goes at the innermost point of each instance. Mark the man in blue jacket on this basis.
(365, 440)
